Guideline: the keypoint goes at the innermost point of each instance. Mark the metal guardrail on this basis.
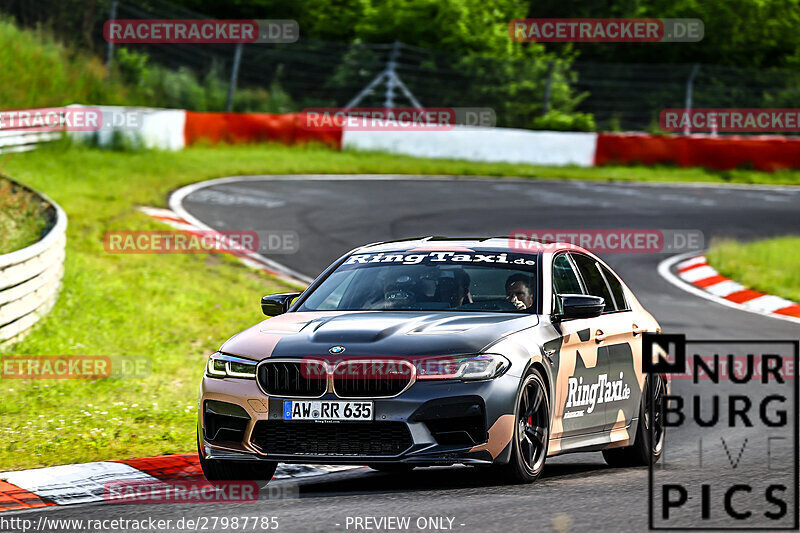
(22, 141)
(30, 278)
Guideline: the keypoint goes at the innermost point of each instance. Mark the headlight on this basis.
(468, 367)
(228, 366)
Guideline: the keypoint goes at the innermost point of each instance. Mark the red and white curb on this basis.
(85, 483)
(691, 272)
(249, 258)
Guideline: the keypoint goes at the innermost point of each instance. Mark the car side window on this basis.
(616, 289)
(565, 280)
(594, 280)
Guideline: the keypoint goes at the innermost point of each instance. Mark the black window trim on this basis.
(608, 287)
(575, 269)
(603, 270)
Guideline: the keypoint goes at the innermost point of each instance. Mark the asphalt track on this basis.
(577, 492)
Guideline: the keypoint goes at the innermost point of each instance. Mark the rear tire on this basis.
(236, 470)
(642, 451)
(531, 437)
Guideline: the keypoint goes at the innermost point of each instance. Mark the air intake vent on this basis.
(280, 437)
(224, 422)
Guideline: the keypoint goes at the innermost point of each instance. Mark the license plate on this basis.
(327, 410)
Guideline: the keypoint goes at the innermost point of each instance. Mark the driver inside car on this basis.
(400, 293)
(409, 292)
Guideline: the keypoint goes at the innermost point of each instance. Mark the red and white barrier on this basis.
(255, 127)
(767, 153)
(497, 145)
(174, 129)
(154, 128)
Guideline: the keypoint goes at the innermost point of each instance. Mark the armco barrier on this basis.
(22, 141)
(287, 128)
(767, 153)
(30, 278)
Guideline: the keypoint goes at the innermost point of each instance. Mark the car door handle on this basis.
(637, 330)
(599, 336)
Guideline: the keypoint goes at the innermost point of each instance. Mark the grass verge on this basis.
(172, 309)
(771, 266)
(22, 217)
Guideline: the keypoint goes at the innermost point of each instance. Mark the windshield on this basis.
(429, 280)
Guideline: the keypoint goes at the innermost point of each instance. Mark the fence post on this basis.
(112, 15)
(391, 81)
(548, 83)
(687, 106)
(237, 58)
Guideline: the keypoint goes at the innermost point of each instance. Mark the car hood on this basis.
(375, 333)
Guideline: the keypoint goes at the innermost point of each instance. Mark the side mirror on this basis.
(581, 306)
(277, 304)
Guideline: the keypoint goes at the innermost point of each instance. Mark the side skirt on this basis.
(593, 442)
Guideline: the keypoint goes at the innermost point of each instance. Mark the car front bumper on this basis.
(437, 423)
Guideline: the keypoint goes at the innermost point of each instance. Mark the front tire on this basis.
(531, 437)
(235, 470)
(643, 451)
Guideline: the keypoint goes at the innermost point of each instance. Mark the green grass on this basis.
(38, 71)
(172, 309)
(771, 266)
(22, 217)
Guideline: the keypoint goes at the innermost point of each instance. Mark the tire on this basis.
(642, 451)
(236, 470)
(391, 468)
(530, 440)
